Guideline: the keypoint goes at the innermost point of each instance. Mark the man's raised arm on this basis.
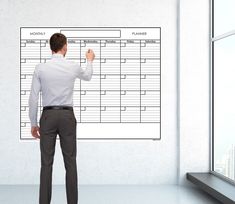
(87, 73)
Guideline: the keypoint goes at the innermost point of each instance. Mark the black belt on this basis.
(58, 108)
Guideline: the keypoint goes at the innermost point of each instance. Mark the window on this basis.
(223, 88)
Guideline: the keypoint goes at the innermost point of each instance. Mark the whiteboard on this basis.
(123, 98)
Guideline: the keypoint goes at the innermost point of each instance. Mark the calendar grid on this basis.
(125, 86)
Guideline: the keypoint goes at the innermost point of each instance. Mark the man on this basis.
(55, 79)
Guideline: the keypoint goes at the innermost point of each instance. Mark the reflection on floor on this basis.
(109, 194)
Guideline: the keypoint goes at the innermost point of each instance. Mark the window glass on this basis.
(224, 16)
(224, 106)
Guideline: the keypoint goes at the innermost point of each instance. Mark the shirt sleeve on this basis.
(33, 98)
(85, 74)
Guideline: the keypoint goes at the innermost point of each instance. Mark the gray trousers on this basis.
(63, 123)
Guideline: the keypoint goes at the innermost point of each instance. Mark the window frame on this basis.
(212, 40)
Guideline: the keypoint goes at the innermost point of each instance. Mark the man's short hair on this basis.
(57, 41)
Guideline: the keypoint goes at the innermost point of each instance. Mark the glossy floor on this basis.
(109, 194)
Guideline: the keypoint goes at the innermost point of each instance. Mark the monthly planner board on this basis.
(123, 98)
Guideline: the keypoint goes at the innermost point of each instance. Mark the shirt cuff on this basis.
(34, 124)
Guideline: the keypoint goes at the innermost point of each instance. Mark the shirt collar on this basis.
(57, 55)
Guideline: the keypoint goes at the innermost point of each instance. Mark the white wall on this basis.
(194, 87)
(103, 162)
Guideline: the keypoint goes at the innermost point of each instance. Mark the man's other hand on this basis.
(90, 55)
(35, 132)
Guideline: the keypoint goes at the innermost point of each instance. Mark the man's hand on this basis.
(35, 132)
(90, 55)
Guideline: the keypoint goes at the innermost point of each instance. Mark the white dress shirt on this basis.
(55, 79)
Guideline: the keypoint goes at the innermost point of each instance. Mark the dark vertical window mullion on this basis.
(212, 64)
